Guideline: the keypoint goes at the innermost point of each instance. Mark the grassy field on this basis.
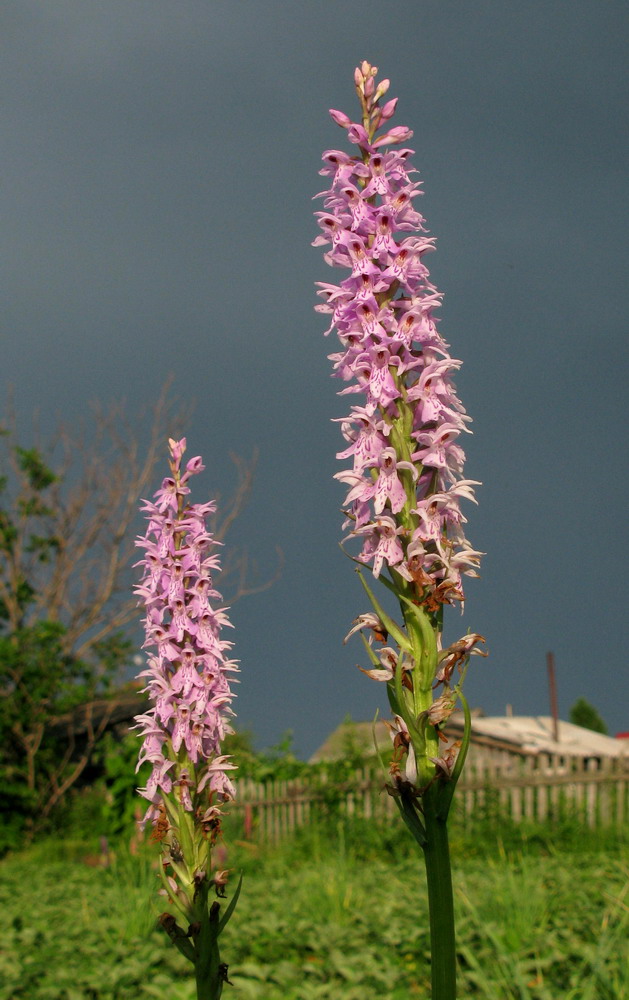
(322, 920)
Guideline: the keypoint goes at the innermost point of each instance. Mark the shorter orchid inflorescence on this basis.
(188, 675)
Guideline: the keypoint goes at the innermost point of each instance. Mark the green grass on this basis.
(327, 917)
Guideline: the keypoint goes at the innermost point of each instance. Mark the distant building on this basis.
(521, 735)
(528, 734)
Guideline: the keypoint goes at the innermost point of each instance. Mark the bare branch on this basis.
(239, 498)
(84, 517)
(237, 571)
(58, 786)
(245, 572)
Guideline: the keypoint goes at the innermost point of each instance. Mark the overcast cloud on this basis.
(159, 164)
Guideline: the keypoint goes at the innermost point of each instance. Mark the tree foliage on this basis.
(584, 714)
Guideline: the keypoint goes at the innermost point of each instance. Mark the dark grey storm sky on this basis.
(159, 160)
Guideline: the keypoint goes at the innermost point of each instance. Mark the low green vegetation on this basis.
(336, 913)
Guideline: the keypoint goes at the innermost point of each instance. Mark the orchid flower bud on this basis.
(388, 110)
(340, 118)
(383, 86)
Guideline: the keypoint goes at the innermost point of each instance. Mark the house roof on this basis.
(353, 735)
(535, 734)
(520, 734)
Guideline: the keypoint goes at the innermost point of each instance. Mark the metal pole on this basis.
(550, 663)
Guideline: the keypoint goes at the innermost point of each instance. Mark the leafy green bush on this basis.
(17, 803)
(121, 805)
(585, 715)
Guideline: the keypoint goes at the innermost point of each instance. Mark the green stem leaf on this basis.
(448, 788)
(391, 626)
(231, 907)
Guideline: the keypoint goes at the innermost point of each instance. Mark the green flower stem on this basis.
(440, 899)
(207, 965)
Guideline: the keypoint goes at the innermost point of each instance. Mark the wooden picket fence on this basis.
(535, 787)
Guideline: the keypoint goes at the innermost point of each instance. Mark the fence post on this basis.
(542, 787)
(621, 793)
(591, 796)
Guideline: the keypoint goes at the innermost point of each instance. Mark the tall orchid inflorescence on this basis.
(406, 480)
(188, 684)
